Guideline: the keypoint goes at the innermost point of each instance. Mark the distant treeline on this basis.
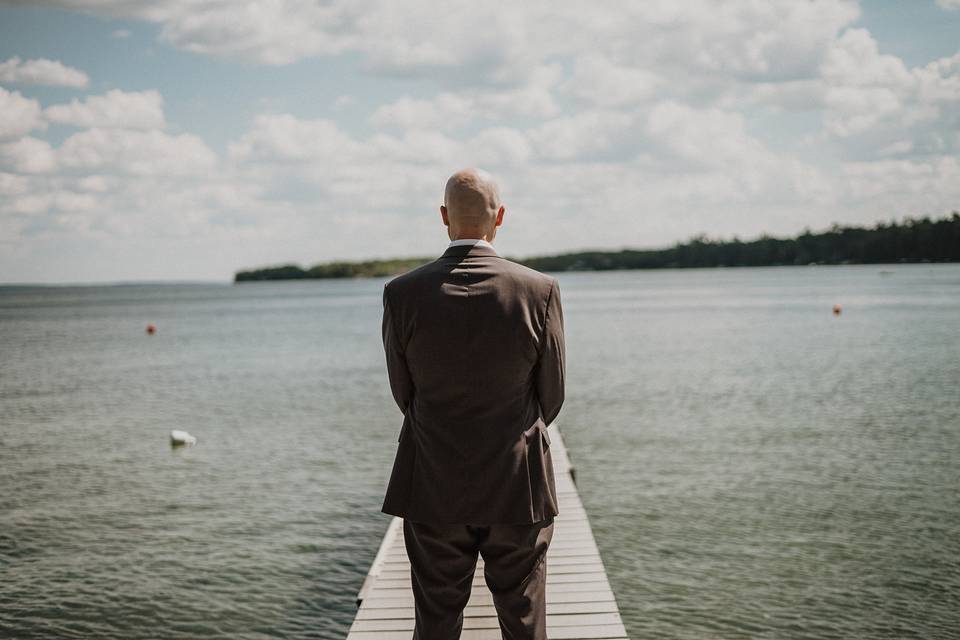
(368, 268)
(913, 240)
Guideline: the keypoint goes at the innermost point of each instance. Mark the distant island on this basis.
(912, 240)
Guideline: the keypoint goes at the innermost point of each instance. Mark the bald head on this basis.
(471, 205)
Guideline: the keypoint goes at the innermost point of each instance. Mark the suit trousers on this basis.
(443, 559)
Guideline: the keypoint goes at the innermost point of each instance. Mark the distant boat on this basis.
(180, 438)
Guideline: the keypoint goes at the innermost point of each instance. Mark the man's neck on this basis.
(470, 241)
(486, 237)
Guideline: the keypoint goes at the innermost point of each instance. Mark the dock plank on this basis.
(580, 603)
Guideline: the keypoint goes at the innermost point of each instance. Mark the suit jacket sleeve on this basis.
(550, 371)
(401, 384)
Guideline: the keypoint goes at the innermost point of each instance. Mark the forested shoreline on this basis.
(911, 240)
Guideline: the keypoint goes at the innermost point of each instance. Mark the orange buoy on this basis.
(151, 328)
(837, 309)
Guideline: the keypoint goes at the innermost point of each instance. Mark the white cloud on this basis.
(608, 124)
(115, 108)
(280, 138)
(582, 135)
(28, 155)
(705, 138)
(863, 87)
(444, 112)
(340, 173)
(949, 5)
(18, 115)
(267, 31)
(806, 94)
(96, 183)
(146, 153)
(600, 81)
(453, 110)
(115, 188)
(899, 187)
(679, 161)
(13, 185)
(500, 41)
(881, 105)
(42, 71)
(871, 103)
(500, 147)
(120, 34)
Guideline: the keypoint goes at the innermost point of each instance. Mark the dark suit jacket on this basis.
(475, 356)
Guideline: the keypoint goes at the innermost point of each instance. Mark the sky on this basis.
(188, 139)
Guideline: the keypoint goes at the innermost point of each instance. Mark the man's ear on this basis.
(500, 216)
(443, 214)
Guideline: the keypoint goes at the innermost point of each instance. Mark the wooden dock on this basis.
(580, 603)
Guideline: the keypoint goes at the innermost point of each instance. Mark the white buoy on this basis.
(180, 438)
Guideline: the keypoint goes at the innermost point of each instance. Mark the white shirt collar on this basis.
(471, 241)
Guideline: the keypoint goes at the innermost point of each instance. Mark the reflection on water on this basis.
(754, 466)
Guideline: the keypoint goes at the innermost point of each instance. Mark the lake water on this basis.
(753, 466)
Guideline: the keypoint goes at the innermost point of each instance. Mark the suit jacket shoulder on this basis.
(407, 279)
(532, 278)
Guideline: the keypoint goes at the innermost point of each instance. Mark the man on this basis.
(475, 355)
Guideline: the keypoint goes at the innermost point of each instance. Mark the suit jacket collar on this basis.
(469, 251)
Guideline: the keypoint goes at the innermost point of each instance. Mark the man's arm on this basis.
(400, 383)
(550, 373)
